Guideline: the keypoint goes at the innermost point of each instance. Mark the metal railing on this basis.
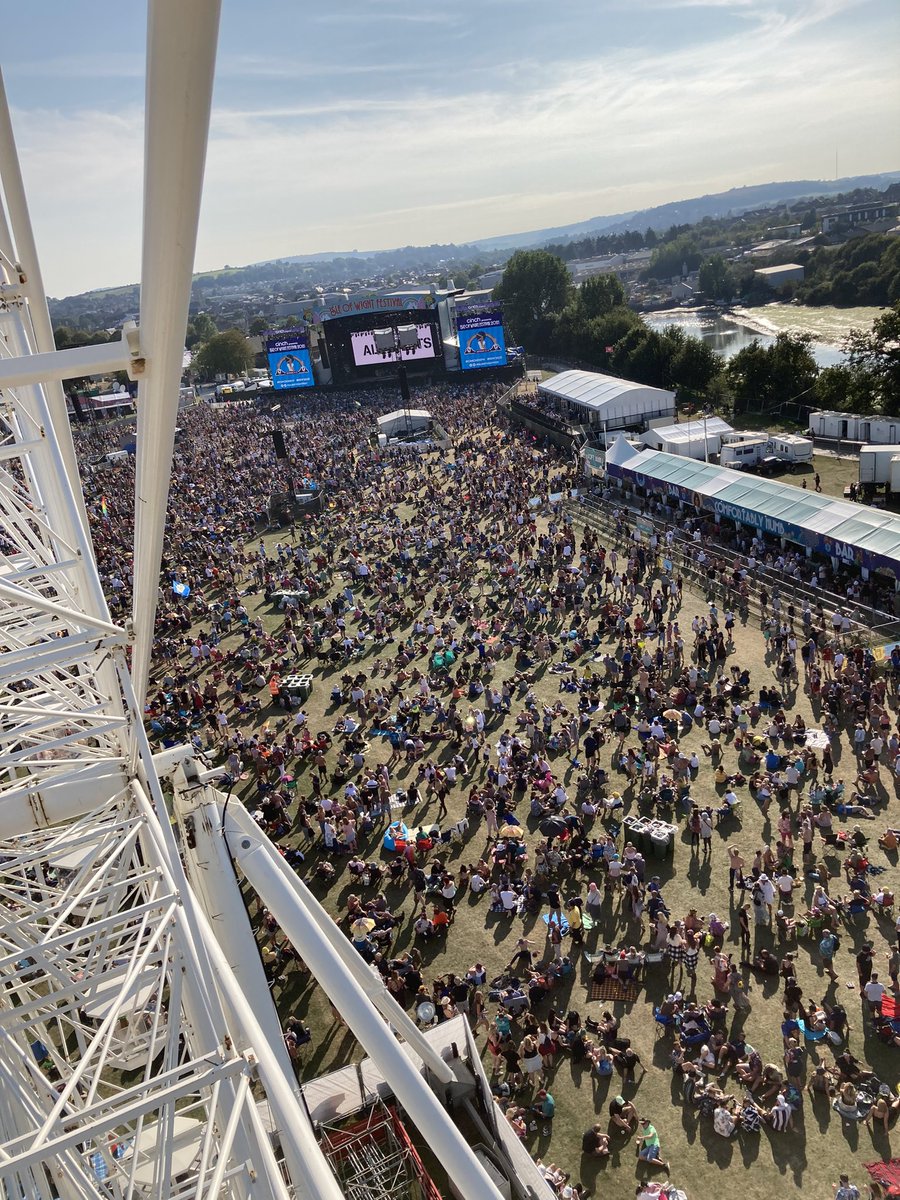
(868, 623)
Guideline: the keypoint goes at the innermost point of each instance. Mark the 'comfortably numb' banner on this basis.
(481, 339)
(289, 362)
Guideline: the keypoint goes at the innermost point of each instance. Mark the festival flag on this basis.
(103, 507)
(181, 589)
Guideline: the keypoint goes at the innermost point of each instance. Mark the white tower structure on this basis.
(140, 1054)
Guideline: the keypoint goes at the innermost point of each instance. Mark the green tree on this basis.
(258, 325)
(201, 329)
(876, 353)
(845, 388)
(674, 255)
(693, 366)
(599, 295)
(604, 333)
(225, 353)
(762, 378)
(716, 280)
(534, 287)
(644, 356)
(69, 339)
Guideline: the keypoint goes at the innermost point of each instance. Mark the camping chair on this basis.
(813, 924)
(703, 1034)
(664, 1024)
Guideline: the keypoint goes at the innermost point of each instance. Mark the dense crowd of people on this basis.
(517, 703)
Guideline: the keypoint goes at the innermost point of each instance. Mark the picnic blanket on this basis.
(613, 989)
(563, 924)
(887, 1174)
(811, 1035)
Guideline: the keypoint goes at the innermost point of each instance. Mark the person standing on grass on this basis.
(735, 868)
(744, 929)
(554, 936)
(845, 1190)
(827, 947)
(706, 831)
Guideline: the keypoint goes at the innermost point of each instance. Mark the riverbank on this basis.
(827, 325)
(728, 331)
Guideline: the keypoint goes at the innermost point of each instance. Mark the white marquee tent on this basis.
(605, 401)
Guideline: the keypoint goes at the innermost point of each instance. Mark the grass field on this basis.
(835, 474)
(806, 1161)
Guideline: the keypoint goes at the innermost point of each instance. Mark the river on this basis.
(728, 335)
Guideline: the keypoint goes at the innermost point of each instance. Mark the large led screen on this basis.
(481, 339)
(289, 361)
(365, 352)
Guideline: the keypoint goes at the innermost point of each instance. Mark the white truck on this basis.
(875, 464)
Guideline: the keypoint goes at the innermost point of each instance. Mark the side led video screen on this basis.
(481, 340)
(289, 361)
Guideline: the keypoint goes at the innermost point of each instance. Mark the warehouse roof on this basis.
(864, 535)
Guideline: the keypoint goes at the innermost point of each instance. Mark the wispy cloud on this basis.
(306, 156)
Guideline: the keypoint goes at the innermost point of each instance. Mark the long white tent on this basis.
(605, 401)
(845, 532)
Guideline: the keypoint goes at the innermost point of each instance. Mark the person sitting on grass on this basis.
(544, 1105)
(622, 1116)
(648, 1148)
(594, 1142)
(822, 1082)
(724, 1122)
(780, 1116)
(750, 1115)
(847, 1102)
(626, 1061)
(441, 921)
(882, 1112)
(424, 927)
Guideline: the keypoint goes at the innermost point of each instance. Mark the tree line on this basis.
(593, 325)
(864, 270)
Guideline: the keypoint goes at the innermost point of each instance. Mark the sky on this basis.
(367, 125)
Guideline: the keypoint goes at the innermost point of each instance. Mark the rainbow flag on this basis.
(103, 507)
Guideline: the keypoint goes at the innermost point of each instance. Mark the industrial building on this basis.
(780, 276)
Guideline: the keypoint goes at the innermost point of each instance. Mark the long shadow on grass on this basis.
(789, 1151)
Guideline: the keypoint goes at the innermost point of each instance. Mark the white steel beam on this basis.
(307, 907)
(181, 54)
(314, 944)
(75, 363)
(23, 254)
(212, 877)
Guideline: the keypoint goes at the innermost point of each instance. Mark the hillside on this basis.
(689, 212)
(296, 274)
